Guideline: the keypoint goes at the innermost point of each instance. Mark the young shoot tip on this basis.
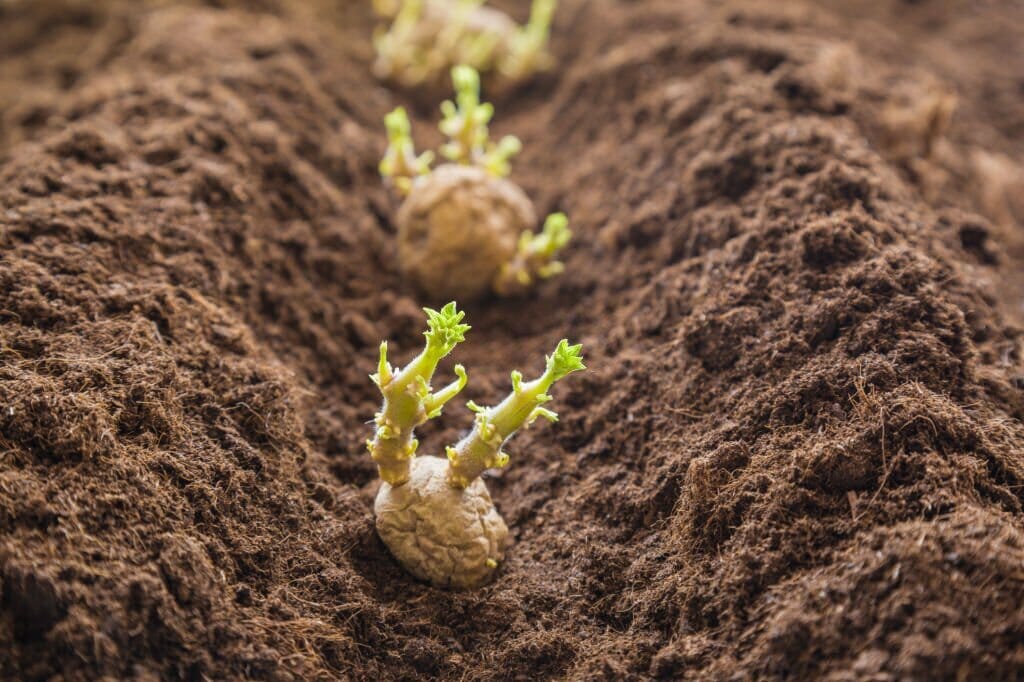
(466, 80)
(396, 122)
(384, 372)
(565, 360)
(556, 233)
(408, 398)
(445, 328)
(541, 13)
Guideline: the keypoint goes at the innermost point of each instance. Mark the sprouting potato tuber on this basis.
(464, 229)
(427, 37)
(435, 515)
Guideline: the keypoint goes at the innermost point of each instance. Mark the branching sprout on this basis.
(400, 163)
(482, 448)
(465, 120)
(535, 256)
(408, 400)
(496, 160)
(527, 51)
(465, 123)
(399, 47)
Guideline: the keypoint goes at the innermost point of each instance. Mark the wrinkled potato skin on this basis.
(440, 534)
(456, 229)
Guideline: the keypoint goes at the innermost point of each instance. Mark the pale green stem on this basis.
(407, 404)
(481, 449)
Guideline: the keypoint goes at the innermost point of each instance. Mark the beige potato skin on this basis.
(448, 537)
(456, 229)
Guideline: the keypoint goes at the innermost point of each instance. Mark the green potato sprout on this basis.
(496, 159)
(408, 400)
(465, 124)
(400, 162)
(482, 448)
(427, 37)
(435, 514)
(527, 49)
(535, 256)
(464, 229)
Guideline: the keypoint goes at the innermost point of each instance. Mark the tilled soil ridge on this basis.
(797, 451)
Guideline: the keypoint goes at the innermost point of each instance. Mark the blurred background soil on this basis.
(798, 451)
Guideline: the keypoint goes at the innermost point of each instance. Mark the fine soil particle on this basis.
(798, 451)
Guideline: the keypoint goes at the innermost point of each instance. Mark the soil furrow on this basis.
(796, 453)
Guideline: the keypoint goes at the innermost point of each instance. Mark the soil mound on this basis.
(797, 453)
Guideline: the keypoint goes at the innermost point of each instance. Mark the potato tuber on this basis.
(458, 229)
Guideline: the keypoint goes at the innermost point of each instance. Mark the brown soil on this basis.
(799, 450)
